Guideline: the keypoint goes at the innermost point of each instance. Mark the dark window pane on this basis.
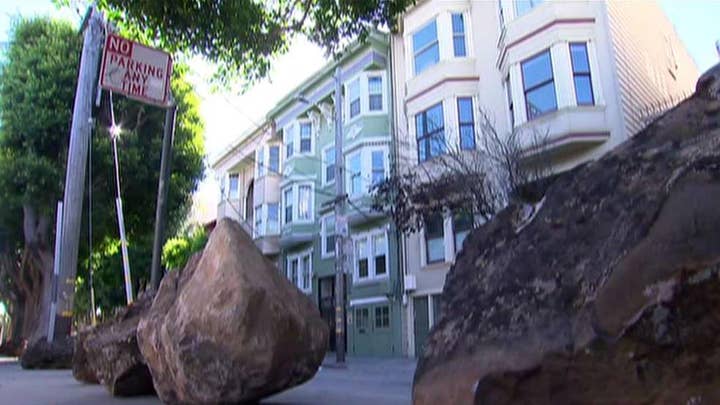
(537, 70)
(274, 159)
(289, 149)
(330, 243)
(363, 268)
(380, 265)
(465, 113)
(578, 53)
(583, 90)
(434, 232)
(305, 145)
(375, 102)
(541, 100)
(457, 23)
(422, 152)
(434, 118)
(419, 127)
(437, 144)
(459, 46)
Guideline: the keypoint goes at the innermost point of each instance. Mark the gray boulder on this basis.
(230, 328)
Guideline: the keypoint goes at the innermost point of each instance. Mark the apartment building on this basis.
(586, 74)
(249, 175)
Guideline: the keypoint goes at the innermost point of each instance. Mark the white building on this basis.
(589, 74)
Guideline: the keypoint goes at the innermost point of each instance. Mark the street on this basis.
(365, 380)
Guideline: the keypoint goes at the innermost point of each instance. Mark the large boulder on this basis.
(109, 353)
(609, 294)
(47, 356)
(230, 328)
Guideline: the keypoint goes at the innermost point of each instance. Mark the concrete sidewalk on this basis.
(363, 381)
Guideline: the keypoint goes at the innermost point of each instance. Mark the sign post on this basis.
(143, 73)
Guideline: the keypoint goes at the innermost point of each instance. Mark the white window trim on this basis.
(288, 269)
(267, 159)
(325, 254)
(295, 187)
(372, 276)
(365, 153)
(448, 243)
(365, 96)
(325, 165)
(411, 47)
(466, 33)
(313, 131)
(292, 130)
(236, 194)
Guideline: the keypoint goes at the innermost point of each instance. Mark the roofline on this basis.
(375, 36)
(242, 139)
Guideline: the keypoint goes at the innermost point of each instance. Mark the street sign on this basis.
(136, 70)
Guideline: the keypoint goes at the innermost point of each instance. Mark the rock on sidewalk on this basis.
(109, 353)
(230, 328)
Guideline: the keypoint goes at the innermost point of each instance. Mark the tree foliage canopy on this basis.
(242, 37)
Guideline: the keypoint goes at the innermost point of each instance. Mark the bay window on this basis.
(430, 132)
(426, 50)
(581, 74)
(539, 85)
(304, 202)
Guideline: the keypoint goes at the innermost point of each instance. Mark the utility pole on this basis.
(75, 176)
(163, 183)
(341, 225)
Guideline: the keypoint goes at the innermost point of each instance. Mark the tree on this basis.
(36, 95)
(177, 250)
(244, 36)
(480, 180)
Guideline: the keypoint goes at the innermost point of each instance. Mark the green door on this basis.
(362, 341)
(382, 331)
(422, 323)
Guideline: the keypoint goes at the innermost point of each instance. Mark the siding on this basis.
(646, 51)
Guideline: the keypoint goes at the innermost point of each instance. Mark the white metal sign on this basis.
(136, 70)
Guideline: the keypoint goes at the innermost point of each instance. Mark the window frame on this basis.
(576, 74)
(352, 174)
(236, 194)
(382, 313)
(424, 48)
(270, 169)
(300, 124)
(327, 165)
(426, 136)
(325, 232)
(290, 189)
(268, 229)
(350, 101)
(454, 217)
(298, 258)
(310, 202)
(538, 85)
(459, 34)
(370, 254)
(370, 94)
(465, 124)
(288, 140)
(441, 237)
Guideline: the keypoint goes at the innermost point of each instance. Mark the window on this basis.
(354, 98)
(274, 159)
(305, 137)
(305, 272)
(426, 51)
(234, 187)
(434, 239)
(362, 320)
(304, 202)
(511, 106)
(430, 128)
(462, 224)
(539, 85)
(258, 231)
(328, 235)
(288, 206)
(288, 137)
(371, 255)
(523, 6)
(581, 74)
(436, 308)
(363, 266)
(378, 166)
(380, 254)
(272, 218)
(293, 271)
(382, 317)
(466, 123)
(355, 172)
(458, 27)
(329, 162)
(375, 97)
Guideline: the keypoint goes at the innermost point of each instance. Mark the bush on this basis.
(177, 250)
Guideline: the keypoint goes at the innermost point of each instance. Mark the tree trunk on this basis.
(36, 269)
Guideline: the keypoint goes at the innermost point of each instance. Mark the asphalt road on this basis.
(364, 381)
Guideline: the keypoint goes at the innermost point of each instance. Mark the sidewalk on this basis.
(364, 381)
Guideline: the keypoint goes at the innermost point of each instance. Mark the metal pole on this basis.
(341, 226)
(121, 225)
(75, 175)
(163, 183)
(56, 271)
